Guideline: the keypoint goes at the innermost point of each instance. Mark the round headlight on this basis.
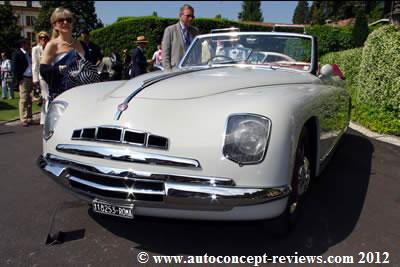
(246, 138)
(250, 137)
(56, 109)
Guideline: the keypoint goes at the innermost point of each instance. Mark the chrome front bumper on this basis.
(155, 190)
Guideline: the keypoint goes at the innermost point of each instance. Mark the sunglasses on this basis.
(61, 20)
(189, 16)
(43, 37)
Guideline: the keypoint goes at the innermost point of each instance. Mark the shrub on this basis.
(378, 82)
(330, 38)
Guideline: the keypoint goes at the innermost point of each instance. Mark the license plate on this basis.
(125, 211)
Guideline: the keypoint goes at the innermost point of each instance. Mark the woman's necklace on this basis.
(69, 44)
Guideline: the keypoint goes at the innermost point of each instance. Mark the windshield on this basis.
(272, 50)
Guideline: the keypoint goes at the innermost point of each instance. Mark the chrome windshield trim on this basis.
(127, 155)
(59, 164)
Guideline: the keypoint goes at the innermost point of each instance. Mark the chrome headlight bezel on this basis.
(256, 133)
(55, 111)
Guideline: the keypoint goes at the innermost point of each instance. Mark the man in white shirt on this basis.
(37, 51)
(156, 60)
(6, 77)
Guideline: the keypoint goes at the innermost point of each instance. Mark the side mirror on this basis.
(326, 72)
(329, 71)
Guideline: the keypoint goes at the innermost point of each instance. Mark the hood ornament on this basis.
(123, 106)
(120, 108)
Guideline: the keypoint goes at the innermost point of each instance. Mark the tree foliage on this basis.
(360, 29)
(85, 17)
(301, 13)
(9, 31)
(316, 13)
(251, 11)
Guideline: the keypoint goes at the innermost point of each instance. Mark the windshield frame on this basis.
(313, 61)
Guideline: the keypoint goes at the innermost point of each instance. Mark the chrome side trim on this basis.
(127, 156)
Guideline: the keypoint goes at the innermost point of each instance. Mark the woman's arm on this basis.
(51, 74)
(49, 53)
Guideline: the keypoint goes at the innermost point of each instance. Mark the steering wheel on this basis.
(220, 56)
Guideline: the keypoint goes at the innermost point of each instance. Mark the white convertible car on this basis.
(233, 135)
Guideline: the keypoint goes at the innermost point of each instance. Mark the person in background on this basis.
(126, 64)
(114, 57)
(156, 60)
(6, 77)
(178, 37)
(95, 56)
(21, 65)
(37, 51)
(139, 62)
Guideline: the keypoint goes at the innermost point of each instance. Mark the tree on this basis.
(301, 13)
(9, 31)
(316, 14)
(155, 14)
(251, 11)
(85, 17)
(360, 29)
(218, 16)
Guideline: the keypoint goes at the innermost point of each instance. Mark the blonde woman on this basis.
(61, 51)
(41, 39)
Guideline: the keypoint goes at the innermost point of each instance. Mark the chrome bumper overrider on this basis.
(156, 190)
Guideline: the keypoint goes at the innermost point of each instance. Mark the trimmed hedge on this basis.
(373, 78)
(122, 33)
(379, 77)
(331, 39)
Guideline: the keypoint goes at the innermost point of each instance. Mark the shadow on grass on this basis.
(6, 106)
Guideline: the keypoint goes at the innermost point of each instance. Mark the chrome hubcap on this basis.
(304, 177)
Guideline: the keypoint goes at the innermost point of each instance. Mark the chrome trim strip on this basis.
(114, 188)
(134, 175)
(124, 155)
(147, 83)
(176, 195)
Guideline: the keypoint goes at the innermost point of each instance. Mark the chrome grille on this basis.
(116, 187)
(120, 135)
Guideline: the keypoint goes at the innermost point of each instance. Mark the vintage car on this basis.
(225, 136)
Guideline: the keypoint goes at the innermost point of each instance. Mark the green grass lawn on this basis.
(9, 109)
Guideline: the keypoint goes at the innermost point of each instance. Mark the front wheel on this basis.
(301, 178)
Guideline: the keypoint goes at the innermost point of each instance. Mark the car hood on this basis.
(206, 82)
